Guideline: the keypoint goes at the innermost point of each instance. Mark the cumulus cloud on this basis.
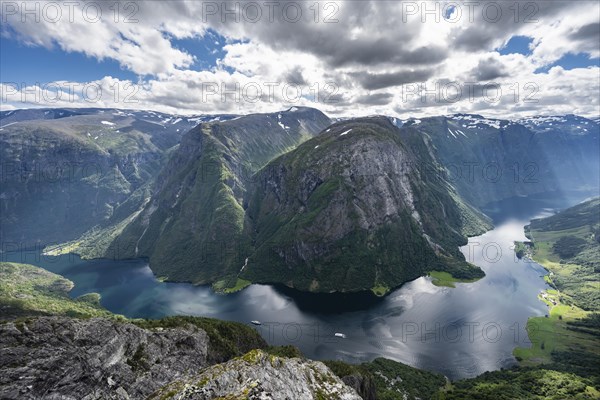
(338, 55)
(371, 81)
(489, 69)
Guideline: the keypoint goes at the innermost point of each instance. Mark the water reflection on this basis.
(460, 332)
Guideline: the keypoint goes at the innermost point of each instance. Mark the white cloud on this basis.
(379, 45)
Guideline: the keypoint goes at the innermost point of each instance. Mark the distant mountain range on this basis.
(291, 197)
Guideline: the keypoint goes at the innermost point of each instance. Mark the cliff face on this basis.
(352, 210)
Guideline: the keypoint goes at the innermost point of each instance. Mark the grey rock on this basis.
(258, 375)
(63, 358)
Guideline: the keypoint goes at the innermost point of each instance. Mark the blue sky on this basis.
(517, 44)
(32, 64)
(570, 61)
(364, 60)
(521, 45)
(22, 63)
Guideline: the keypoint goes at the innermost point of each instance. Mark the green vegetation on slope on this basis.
(350, 210)
(568, 245)
(523, 384)
(390, 379)
(26, 290)
(29, 291)
(192, 228)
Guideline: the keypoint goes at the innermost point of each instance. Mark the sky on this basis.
(348, 58)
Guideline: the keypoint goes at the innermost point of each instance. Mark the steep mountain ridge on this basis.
(350, 210)
(191, 229)
(192, 203)
(492, 159)
(80, 169)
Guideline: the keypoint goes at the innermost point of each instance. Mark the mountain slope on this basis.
(568, 244)
(191, 229)
(351, 210)
(66, 171)
(491, 159)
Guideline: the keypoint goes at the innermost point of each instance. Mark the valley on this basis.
(566, 245)
(314, 227)
(212, 205)
(410, 316)
(299, 200)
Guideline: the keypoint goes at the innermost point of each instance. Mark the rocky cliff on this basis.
(57, 357)
(352, 209)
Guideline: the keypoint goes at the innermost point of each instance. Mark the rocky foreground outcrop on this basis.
(99, 358)
(259, 375)
(103, 358)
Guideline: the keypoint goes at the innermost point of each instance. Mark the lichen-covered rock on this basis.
(258, 375)
(99, 358)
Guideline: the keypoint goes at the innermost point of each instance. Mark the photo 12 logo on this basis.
(450, 92)
(69, 92)
(466, 332)
(453, 12)
(128, 12)
(55, 12)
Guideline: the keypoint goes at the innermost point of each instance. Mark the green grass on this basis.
(523, 384)
(567, 245)
(568, 337)
(26, 290)
(221, 286)
(441, 278)
(391, 380)
(380, 290)
(551, 334)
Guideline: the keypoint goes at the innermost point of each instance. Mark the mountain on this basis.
(568, 244)
(66, 171)
(192, 226)
(353, 209)
(206, 206)
(492, 159)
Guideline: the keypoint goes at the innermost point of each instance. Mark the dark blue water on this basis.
(460, 332)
